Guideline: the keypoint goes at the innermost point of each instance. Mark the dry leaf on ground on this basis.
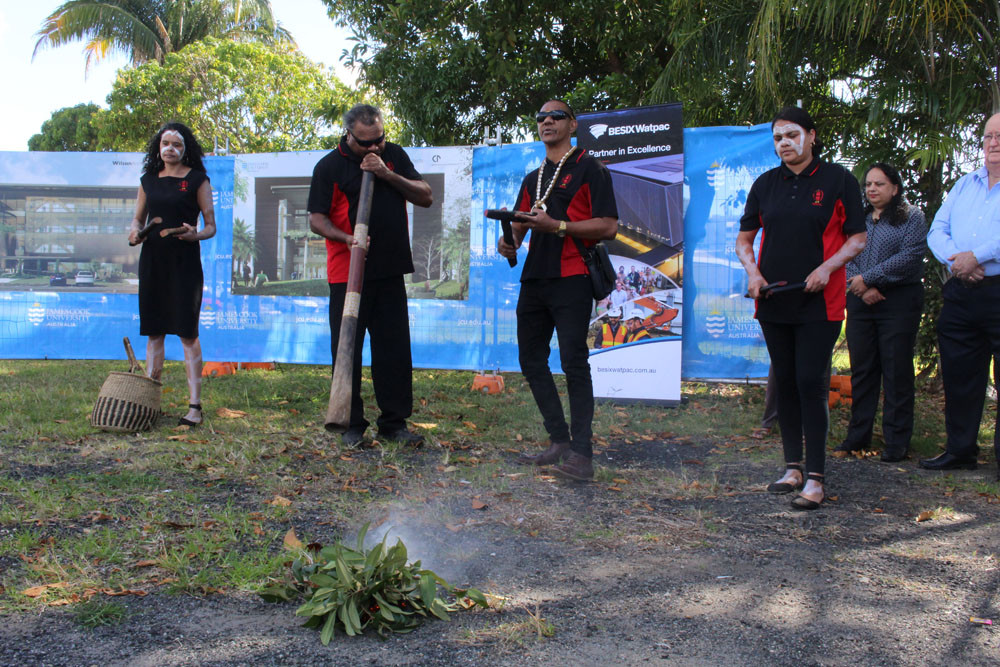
(124, 591)
(291, 541)
(226, 413)
(280, 501)
(38, 591)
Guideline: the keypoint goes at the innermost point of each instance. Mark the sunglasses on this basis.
(558, 114)
(367, 143)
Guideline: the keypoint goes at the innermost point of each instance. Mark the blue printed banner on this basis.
(68, 278)
(721, 336)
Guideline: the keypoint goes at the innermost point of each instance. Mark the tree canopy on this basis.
(69, 129)
(455, 67)
(146, 30)
(260, 98)
(905, 81)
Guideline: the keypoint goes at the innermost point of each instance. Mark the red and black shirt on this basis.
(583, 191)
(334, 191)
(806, 218)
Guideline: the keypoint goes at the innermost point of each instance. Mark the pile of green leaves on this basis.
(353, 589)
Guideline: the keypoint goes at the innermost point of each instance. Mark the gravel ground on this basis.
(725, 576)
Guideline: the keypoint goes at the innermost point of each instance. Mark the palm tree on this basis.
(245, 248)
(146, 30)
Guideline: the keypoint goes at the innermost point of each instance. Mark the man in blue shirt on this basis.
(965, 237)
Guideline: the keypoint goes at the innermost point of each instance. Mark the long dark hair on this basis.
(152, 164)
(897, 210)
(800, 116)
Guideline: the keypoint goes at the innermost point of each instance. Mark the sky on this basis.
(56, 78)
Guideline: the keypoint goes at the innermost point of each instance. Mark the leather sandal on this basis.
(184, 421)
(800, 502)
(787, 487)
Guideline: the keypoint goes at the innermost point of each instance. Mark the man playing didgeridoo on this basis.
(333, 206)
(569, 197)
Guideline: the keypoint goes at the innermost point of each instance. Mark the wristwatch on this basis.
(562, 229)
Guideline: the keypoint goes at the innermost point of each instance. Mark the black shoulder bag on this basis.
(598, 263)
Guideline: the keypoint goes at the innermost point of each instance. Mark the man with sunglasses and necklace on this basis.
(566, 203)
(333, 206)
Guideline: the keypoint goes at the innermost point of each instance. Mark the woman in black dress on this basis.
(174, 190)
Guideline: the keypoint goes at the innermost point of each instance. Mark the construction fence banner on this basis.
(68, 278)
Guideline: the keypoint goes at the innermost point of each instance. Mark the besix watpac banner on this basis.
(637, 330)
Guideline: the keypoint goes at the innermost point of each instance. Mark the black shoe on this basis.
(402, 436)
(947, 461)
(892, 456)
(353, 437)
(184, 421)
(802, 503)
(787, 487)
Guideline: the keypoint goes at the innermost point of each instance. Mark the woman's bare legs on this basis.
(154, 356)
(192, 365)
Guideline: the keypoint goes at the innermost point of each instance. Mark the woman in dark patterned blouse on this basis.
(173, 191)
(884, 301)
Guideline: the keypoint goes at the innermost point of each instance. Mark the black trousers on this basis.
(562, 304)
(880, 339)
(968, 336)
(800, 359)
(383, 314)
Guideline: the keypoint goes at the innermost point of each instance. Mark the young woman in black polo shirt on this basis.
(812, 220)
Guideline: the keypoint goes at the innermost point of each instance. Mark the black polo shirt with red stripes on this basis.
(806, 218)
(334, 191)
(583, 191)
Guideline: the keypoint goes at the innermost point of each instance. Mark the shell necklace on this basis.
(540, 199)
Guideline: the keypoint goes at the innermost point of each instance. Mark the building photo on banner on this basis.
(68, 276)
(275, 253)
(636, 353)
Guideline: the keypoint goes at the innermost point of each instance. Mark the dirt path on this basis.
(676, 555)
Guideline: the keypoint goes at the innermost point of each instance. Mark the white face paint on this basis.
(789, 135)
(171, 145)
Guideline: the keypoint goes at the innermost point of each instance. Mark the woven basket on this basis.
(127, 402)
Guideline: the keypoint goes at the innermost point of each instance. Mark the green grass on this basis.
(95, 613)
(201, 511)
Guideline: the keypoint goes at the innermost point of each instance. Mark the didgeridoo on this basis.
(338, 412)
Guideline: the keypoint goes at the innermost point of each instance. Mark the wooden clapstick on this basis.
(144, 232)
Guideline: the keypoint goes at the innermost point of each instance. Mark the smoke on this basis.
(461, 558)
